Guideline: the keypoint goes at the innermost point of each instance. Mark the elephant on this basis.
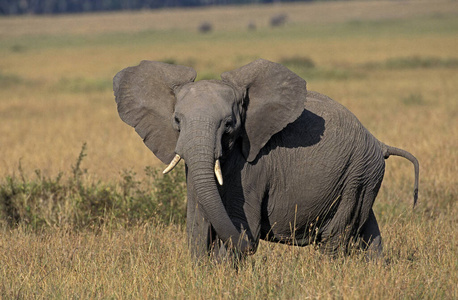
(264, 157)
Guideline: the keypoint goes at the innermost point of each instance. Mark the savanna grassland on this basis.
(85, 214)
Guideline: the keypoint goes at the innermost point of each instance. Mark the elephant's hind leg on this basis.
(371, 238)
(353, 217)
(337, 234)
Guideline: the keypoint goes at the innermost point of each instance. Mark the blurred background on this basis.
(393, 63)
(78, 6)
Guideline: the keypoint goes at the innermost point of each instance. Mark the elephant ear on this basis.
(146, 101)
(275, 98)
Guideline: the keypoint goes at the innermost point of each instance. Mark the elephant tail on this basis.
(388, 150)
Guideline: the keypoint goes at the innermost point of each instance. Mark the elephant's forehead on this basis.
(206, 90)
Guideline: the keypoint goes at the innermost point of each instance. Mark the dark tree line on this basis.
(13, 7)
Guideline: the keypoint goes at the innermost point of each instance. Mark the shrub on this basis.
(75, 202)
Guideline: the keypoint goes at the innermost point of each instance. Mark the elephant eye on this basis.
(176, 123)
(228, 125)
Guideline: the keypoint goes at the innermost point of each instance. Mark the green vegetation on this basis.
(74, 202)
(8, 80)
(308, 69)
(415, 62)
(414, 99)
(106, 224)
(83, 85)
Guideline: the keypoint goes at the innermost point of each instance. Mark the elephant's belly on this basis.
(296, 211)
(304, 191)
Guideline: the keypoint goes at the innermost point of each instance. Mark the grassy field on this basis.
(89, 222)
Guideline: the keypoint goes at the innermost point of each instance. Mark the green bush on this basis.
(75, 202)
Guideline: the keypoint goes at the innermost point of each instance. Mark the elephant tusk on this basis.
(218, 174)
(172, 164)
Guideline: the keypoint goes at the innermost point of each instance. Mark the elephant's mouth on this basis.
(177, 158)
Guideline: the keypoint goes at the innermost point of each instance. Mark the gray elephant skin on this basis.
(265, 158)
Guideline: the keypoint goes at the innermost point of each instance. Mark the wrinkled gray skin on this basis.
(298, 168)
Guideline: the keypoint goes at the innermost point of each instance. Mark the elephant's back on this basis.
(334, 113)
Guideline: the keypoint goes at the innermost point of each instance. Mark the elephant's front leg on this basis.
(203, 240)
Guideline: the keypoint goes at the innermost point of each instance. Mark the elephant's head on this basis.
(200, 121)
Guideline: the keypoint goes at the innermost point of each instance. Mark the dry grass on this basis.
(152, 261)
(55, 94)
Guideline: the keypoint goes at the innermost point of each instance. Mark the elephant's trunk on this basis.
(200, 158)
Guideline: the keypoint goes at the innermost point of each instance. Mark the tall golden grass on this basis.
(152, 262)
(378, 58)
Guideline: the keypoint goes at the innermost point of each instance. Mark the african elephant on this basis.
(265, 158)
